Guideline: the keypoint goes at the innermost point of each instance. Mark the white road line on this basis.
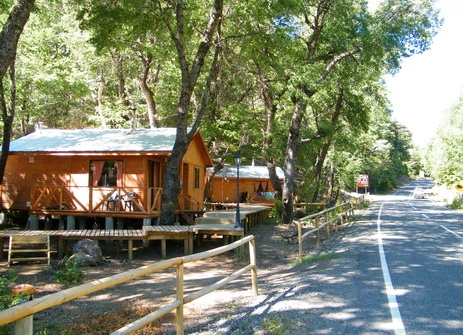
(397, 323)
(450, 231)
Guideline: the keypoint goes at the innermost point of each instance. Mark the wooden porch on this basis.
(116, 202)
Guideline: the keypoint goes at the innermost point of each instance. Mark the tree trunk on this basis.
(99, 100)
(12, 29)
(172, 185)
(327, 144)
(7, 118)
(147, 93)
(190, 74)
(267, 97)
(289, 186)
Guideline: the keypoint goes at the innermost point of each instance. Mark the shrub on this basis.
(6, 299)
(456, 203)
(69, 275)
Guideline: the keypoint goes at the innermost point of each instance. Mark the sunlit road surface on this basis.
(420, 247)
(396, 270)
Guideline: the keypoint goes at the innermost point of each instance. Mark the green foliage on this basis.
(16, 218)
(276, 211)
(241, 253)
(275, 325)
(364, 204)
(7, 300)
(269, 57)
(457, 203)
(71, 274)
(318, 258)
(444, 154)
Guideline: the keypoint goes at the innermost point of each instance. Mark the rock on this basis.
(298, 214)
(87, 252)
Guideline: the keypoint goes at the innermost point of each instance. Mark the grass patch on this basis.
(241, 253)
(274, 325)
(363, 204)
(317, 258)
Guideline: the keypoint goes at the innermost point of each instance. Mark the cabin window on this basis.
(106, 173)
(260, 186)
(196, 185)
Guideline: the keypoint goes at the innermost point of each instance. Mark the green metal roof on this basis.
(96, 140)
(247, 171)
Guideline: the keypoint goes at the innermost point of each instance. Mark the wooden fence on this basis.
(325, 219)
(22, 314)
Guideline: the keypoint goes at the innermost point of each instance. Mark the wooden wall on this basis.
(23, 172)
(224, 189)
(196, 158)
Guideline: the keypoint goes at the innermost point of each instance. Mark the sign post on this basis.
(363, 181)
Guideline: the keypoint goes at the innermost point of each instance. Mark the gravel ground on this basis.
(292, 298)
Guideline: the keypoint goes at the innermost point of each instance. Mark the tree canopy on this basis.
(289, 83)
(444, 154)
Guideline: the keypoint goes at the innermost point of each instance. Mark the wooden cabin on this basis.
(254, 185)
(115, 173)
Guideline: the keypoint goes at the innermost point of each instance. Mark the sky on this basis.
(431, 82)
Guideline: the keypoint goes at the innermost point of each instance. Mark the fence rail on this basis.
(22, 314)
(323, 219)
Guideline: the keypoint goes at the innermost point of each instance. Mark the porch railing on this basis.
(101, 200)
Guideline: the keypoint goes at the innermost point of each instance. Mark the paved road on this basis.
(399, 272)
(413, 274)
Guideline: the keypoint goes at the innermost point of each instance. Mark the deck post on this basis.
(109, 222)
(47, 222)
(61, 223)
(71, 222)
(33, 222)
(146, 222)
(82, 222)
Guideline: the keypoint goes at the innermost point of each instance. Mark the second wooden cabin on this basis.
(254, 185)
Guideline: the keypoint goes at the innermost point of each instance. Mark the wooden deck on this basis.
(250, 216)
(62, 236)
(217, 223)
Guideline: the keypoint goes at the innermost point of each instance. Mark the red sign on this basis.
(362, 181)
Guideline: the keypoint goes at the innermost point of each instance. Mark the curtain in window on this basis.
(260, 186)
(120, 173)
(97, 171)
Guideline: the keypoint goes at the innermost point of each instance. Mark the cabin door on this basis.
(154, 184)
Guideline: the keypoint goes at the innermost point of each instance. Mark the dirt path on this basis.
(231, 310)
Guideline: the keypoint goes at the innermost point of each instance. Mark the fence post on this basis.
(252, 261)
(24, 326)
(299, 238)
(317, 224)
(179, 312)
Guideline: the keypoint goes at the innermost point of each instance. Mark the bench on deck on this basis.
(28, 248)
